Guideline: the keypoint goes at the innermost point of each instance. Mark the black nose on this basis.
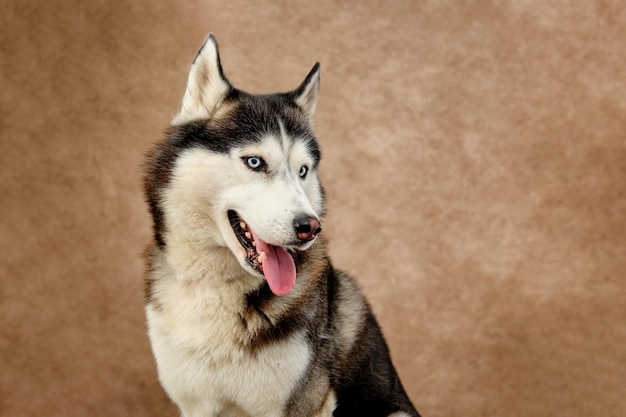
(306, 227)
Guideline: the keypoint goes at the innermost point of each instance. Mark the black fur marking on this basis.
(257, 116)
(361, 374)
(277, 328)
(298, 91)
(368, 384)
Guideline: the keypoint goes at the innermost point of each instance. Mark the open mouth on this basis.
(245, 238)
(274, 262)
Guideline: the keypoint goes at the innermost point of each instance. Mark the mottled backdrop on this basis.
(474, 157)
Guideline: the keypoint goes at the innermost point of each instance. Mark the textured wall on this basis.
(475, 167)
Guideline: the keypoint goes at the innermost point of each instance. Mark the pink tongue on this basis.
(278, 267)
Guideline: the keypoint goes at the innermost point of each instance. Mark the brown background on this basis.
(474, 161)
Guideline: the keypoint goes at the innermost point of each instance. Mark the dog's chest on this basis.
(202, 365)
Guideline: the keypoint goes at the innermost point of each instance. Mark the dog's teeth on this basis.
(248, 235)
(261, 257)
(243, 225)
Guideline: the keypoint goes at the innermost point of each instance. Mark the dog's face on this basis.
(240, 171)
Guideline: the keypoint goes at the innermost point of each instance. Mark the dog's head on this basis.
(239, 170)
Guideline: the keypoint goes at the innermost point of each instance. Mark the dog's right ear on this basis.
(206, 86)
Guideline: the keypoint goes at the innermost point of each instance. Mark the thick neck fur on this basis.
(257, 316)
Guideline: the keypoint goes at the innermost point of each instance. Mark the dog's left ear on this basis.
(305, 96)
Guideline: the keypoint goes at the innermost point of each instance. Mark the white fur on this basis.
(205, 86)
(195, 321)
(206, 373)
(193, 327)
(206, 185)
(308, 98)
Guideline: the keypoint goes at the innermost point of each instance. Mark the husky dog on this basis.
(247, 316)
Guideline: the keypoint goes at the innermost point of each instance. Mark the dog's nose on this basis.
(306, 227)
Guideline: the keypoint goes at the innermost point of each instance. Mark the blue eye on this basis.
(303, 171)
(255, 163)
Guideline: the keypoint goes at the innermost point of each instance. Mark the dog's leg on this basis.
(368, 384)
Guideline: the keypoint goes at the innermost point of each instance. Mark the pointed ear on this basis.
(206, 86)
(305, 96)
